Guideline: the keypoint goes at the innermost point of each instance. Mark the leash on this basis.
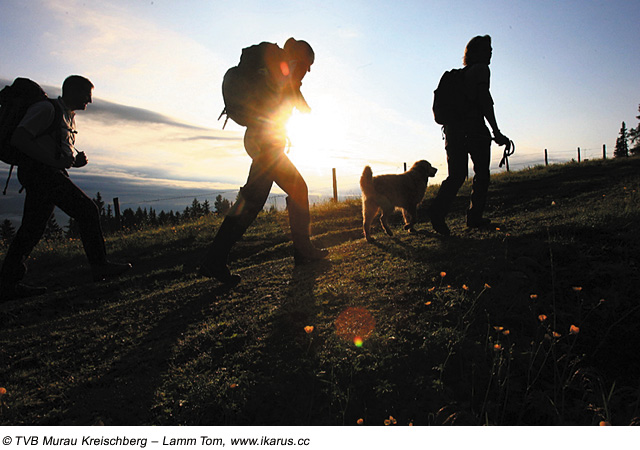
(509, 150)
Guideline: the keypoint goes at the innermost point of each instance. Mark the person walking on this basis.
(42, 171)
(260, 93)
(468, 135)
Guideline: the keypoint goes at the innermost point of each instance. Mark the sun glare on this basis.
(316, 140)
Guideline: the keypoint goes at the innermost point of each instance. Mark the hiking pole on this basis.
(509, 149)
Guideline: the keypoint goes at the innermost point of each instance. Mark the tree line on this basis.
(130, 220)
(628, 142)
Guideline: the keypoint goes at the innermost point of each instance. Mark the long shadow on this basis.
(125, 393)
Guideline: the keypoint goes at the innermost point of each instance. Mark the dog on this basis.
(388, 192)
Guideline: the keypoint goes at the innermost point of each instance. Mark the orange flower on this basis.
(506, 332)
(533, 296)
(2, 391)
(574, 329)
(387, 422)
(605, 424)
(427, 303)
(308, 329)
(432, 289)
(556, 334)
(498, 328)
(392, 420)
(233, 385)
(577, 288)
(465, 287)
(360, 421)
(542, 317)
(497, 347)
(443, 274)
(486, 286)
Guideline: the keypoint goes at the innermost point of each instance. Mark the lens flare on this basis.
(355, 325)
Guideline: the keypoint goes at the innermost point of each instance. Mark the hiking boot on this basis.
(482, 222)
(438, 223)
(309, 254)
(108, 269)
(220, 272)
(20, 290)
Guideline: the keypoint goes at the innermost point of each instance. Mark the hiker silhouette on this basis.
(466, 134)
(45, 154)
(260, 93)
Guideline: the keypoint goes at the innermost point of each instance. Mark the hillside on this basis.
(534, 322)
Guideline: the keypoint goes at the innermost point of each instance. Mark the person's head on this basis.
(300, 53)
(77, 92)
(478, 50)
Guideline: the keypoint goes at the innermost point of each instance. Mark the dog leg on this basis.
(369, 211)
(409, 216)
(384, 220)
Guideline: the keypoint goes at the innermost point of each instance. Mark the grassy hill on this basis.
(535, 322)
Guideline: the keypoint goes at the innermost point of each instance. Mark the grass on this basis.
(534, 323)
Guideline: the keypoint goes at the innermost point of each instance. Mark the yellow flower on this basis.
(308, 329)
(542, 317)
(574, 329)
(360, 421)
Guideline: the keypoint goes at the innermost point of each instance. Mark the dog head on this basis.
(424, 168)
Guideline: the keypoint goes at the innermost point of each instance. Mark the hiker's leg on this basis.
(457, 163)
(480, 152)
(38, 208)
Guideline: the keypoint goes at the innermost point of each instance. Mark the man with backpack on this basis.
(260, 93)
(45, 140)
(462, 102)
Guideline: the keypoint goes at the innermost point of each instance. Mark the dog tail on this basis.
(366, 181)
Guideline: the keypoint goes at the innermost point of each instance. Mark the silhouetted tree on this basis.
(53, 231)
(221, 205)
(7, 232)
(73, 230)
(634, 137)
(99, 203)
(206, 207)
(622, 143)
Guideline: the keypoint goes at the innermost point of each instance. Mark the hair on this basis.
(477, 50)
(300, 49)
(76, 82)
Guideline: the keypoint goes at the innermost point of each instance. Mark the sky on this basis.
(564, 75)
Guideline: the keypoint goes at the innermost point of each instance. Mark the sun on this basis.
(316, 139)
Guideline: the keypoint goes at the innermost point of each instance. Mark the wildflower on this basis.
(360, 421)
(574, 329)
(486, 286)
(308, 329)
(432, 289)
(577, 288)
(506, 332)
(497, 347)
(542, 317)
(3, 391)
(465, 287)
(443, 274)
(233, 385)
(427, 303)
(358, 341)
(387, 422)
(497, 328)
(556, 334)
(604, 423)
(392, 421)
(533, 296)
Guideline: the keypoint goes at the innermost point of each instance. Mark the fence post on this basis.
(578, 154)
(405, 167)
(116, 209)
(604, 151)
(546, 157)
(335, 186)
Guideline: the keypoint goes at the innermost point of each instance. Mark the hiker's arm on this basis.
(30, 146)
(301, 103)
(486, 103)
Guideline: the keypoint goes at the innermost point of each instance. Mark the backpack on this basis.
(448, 98)
(251, 89)
(14, 102)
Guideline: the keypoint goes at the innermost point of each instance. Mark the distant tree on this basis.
(196, 209)
(634, 137)
(53, 231)
(100, 204)
(206, 207)
(73, 230)
(622, 143)
(221, 205)
(7, 232)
